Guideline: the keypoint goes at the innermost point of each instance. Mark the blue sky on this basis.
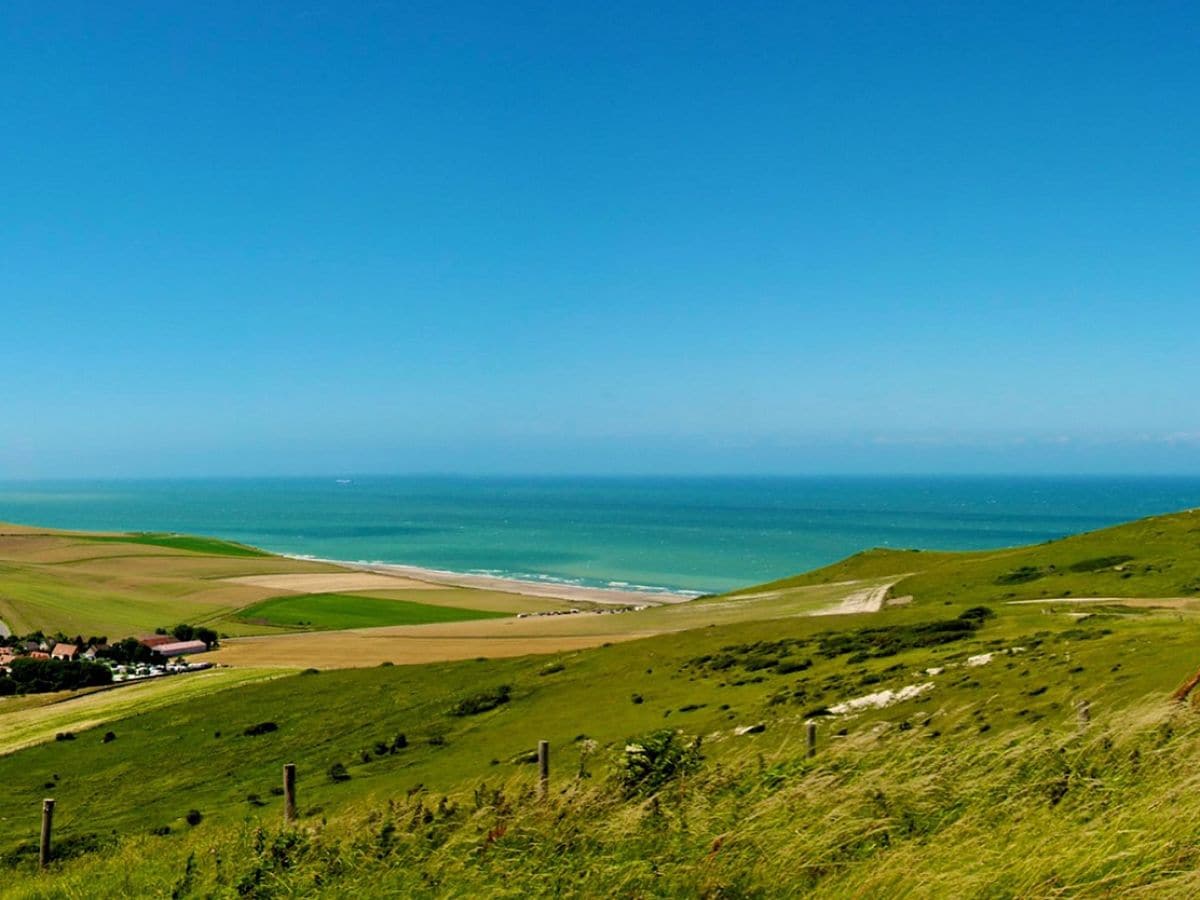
(281, 238)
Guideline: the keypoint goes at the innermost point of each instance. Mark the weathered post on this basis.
(810, 728)
(543, 769)
(1083, 709)
(289, 793)
(47, 823)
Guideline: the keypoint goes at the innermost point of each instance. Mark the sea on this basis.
(679, 535)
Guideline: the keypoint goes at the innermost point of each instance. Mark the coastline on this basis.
(555, 590)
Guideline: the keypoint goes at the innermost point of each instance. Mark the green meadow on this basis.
(319, 612)
(952, 758)
(188, 543)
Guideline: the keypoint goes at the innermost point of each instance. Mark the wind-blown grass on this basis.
(886, 813)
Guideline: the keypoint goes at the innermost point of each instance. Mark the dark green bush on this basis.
(1023, 575)
(655, 759)
(1100, 562)
(481, 702)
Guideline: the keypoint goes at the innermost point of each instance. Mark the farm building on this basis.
(64, 651)
(155, 641)
(181, 648)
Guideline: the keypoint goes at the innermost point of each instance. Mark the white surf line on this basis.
(547, 589)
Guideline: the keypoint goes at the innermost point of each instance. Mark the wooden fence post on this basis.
(810, 729)
(289, 793)
(543, 768)
(47, 823)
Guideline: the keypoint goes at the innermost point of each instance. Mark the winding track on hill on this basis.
(4, 630)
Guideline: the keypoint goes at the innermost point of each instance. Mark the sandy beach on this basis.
(550, 589)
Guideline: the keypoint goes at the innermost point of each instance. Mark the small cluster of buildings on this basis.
(39, 650)
(167, 660)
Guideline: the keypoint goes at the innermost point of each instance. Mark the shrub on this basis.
(193, 817)
(1023, 575)
(260, 728)
(65, 736)
(787, 666)
(552, 668)
(481, 702)
(109, 737)
(1100, 562)
(653, 760)
(337, 772)
(977, 614)
(637, 698)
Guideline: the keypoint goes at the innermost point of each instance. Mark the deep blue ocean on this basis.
(682, 534)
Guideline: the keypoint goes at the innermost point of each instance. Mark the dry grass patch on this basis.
(333, 582)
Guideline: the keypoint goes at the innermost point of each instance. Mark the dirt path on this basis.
(4, 631)
(869, 600)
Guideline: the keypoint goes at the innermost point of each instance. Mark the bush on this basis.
(787, 666)
(260, 728)
(977, 614)
(193, 817)
(109, 737)
(1023, 575)
(653, 760)
(482, 702)
(337, 772)
(1101, 562)
(65, 736)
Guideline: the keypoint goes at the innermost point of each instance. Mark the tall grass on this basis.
(1113, 810)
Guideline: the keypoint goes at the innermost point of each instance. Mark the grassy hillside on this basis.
(1155, 557)
(120, 584)
(951, 759)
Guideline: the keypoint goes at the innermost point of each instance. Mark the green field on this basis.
(189, 543)
(319, 612)
(979, 781)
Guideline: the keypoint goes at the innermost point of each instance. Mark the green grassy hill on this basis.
(950, 762)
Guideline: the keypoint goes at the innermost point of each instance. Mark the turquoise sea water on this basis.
(686, 534)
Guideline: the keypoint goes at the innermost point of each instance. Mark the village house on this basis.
(64, 651)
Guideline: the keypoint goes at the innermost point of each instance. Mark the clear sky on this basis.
(324, 237)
